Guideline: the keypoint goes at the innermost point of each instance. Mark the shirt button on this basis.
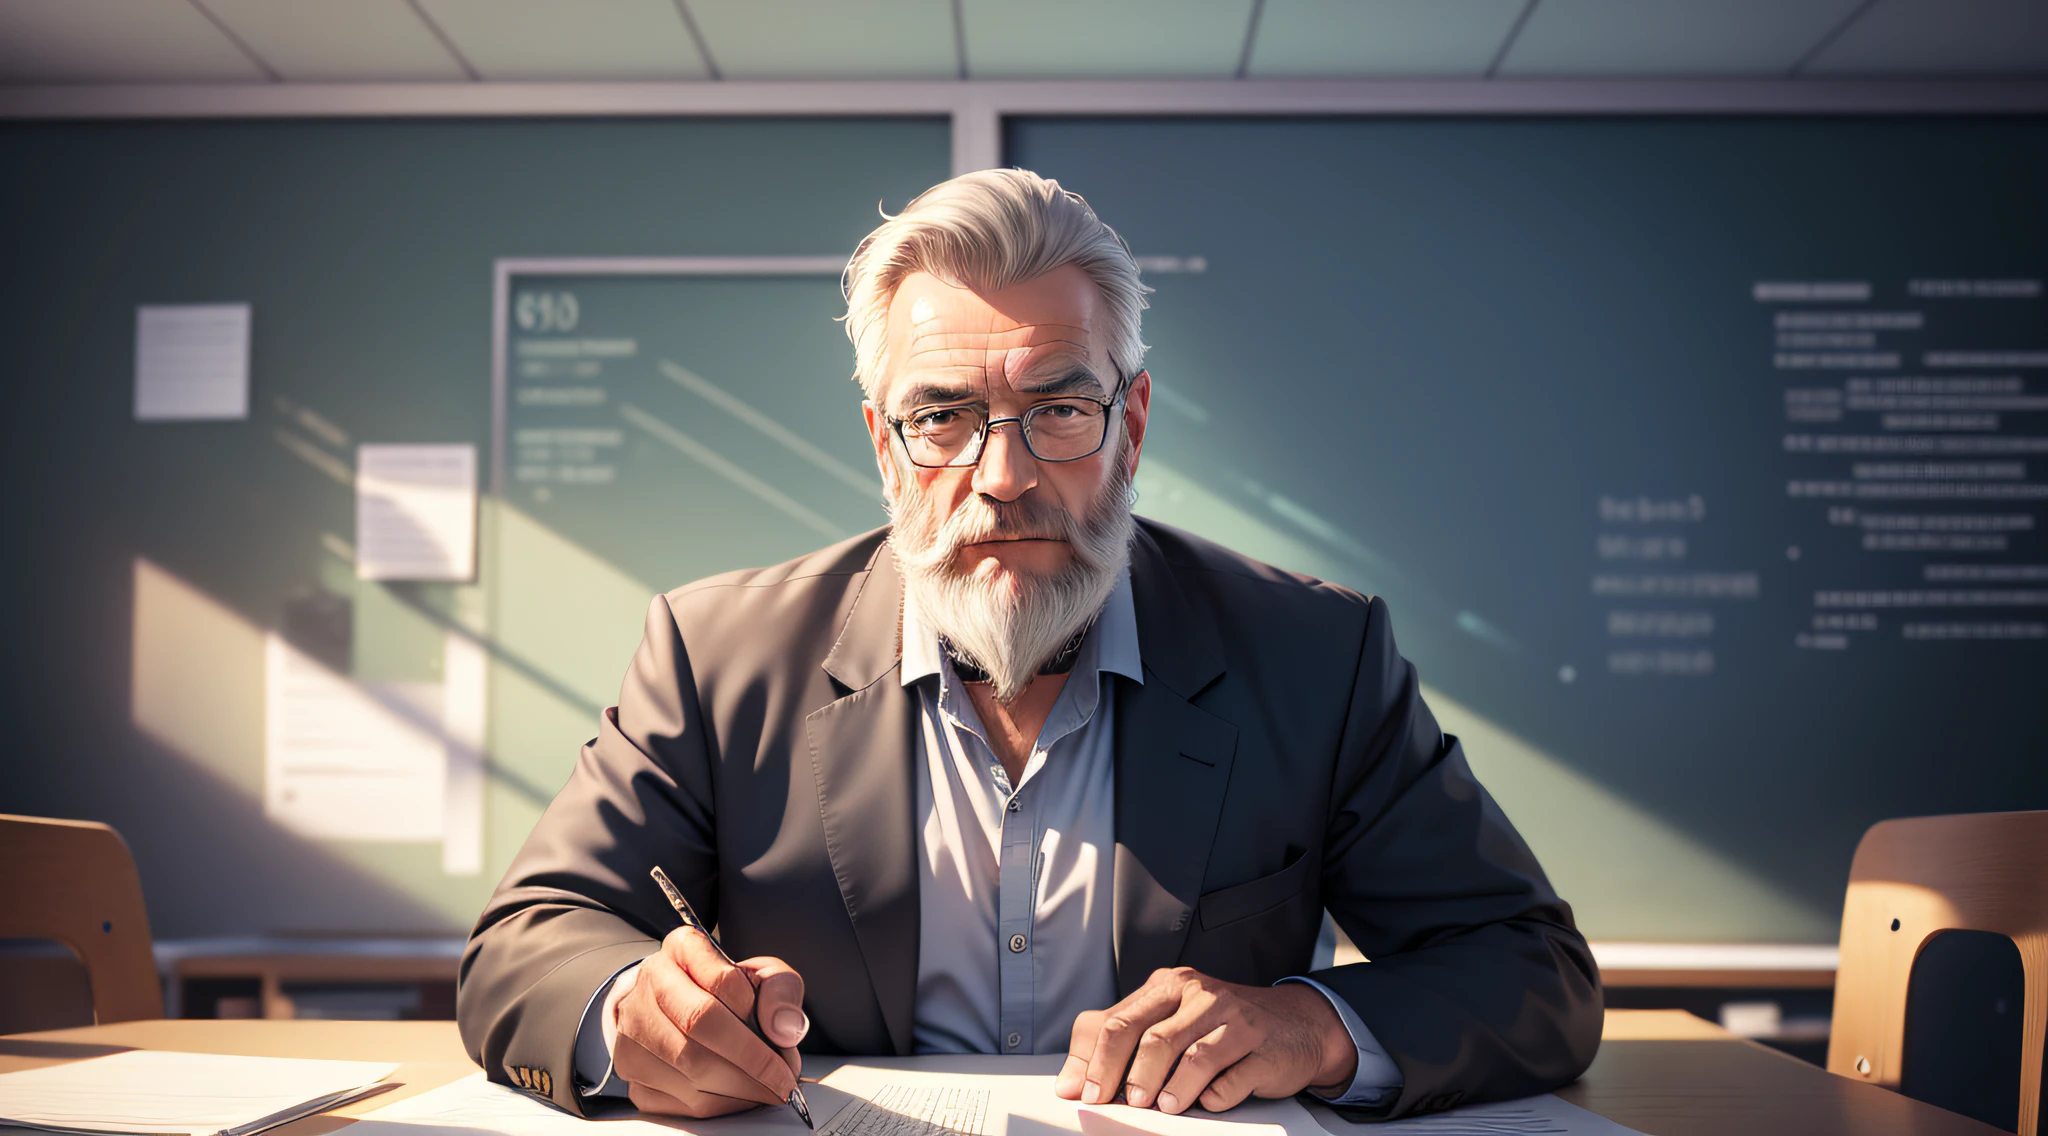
(1014, 1040)
(1015, 804)
(1017, 944)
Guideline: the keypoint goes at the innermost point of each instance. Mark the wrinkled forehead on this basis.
(1026, 337)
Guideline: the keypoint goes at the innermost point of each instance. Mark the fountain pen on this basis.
(689, 918)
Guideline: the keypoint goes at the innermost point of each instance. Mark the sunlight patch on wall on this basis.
(1165, 494)
(196, 677)
(307, 744)
(1627, 874)
(563, 610)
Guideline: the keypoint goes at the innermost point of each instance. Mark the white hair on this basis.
(987, 231)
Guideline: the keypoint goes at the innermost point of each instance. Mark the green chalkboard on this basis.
(1703, 462)
(150, 563)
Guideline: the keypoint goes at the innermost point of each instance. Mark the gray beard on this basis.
(1011, 633)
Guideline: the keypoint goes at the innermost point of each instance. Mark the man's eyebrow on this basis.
(1076, 380)
(928, 393)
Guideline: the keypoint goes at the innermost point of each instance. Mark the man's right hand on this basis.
(683, 1046)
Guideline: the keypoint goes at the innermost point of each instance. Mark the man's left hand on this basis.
(1185, 1038)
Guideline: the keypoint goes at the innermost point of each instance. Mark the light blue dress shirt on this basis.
(1023, 869)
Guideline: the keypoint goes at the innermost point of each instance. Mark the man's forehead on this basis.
(938, 329)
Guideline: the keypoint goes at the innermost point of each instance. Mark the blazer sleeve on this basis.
(1480, 986)
(577, 903)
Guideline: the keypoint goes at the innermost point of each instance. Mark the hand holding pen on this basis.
(700, 1035)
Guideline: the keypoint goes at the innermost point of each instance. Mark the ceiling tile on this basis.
(338, 39)
(1671, 37)
(1941, 37)
(1309, 38)
(829, 39)
(115, 41)
(570, 39)
(1104, 39)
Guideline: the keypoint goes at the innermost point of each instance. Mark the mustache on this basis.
(979, 519)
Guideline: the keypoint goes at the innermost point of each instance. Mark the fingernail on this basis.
(1135, 1095)
(1092, 1093)
(792, 1025)
(1168, 1103)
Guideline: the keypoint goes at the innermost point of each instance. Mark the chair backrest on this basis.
(1912, 880)
(74, 881)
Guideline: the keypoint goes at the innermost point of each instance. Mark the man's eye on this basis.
(1060, 411)
(936, 419)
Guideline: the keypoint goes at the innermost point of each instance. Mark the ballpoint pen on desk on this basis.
(310, 1108)
(689, 918)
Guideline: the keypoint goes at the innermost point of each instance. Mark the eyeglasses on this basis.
(1060, 430)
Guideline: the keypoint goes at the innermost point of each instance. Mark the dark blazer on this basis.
(1276, 761)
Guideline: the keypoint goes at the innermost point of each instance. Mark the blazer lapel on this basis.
(861, 748)
(1173, 763)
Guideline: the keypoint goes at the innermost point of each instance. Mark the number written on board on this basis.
(546, 311)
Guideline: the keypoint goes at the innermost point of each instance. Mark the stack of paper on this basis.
(171, 1094)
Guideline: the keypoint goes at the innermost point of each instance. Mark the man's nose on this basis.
(1007, 470)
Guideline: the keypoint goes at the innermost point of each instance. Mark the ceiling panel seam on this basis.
(221, 26)
(1829, 37)
(1251, 38)
(697, 37)
(959, 39)
(1514, 33)
(441, 37)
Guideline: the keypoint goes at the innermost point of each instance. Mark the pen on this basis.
(689, 918)
(311, 1107)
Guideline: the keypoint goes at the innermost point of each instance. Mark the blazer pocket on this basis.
(1242, 901)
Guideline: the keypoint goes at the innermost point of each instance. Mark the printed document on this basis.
(152, 1091)
(960, 1096)
(415, 512)
(191, 362)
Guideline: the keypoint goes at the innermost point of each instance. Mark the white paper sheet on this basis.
(347, 760)
(155, 1091)
(191, 362)
(464, 675)
(1020, 1102)
(415, 512)
(476, 1104)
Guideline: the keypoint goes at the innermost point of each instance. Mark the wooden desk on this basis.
(1659, 1071)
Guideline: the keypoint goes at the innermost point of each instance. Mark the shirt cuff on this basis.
(1377, 1074)
(593, 1064)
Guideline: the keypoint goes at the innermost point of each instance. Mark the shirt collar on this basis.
(1114, 639)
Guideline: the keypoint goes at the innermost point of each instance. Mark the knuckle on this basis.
(691, 1013)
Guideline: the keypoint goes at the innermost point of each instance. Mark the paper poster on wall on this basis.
(415, 512)
(463, 674)
(191, 362)
(344, 760)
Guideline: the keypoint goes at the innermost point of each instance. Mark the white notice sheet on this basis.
(191, 362)
(153, 1091)
(416, 512)
(344, 760)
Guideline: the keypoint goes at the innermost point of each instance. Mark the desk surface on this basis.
(1659, 1071)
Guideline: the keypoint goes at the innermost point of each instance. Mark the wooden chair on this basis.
(1913, 879)
(74, 881)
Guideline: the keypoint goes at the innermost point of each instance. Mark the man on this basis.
(1022, 773)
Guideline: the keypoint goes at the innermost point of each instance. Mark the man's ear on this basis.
(1137, 411)
(878, 433)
